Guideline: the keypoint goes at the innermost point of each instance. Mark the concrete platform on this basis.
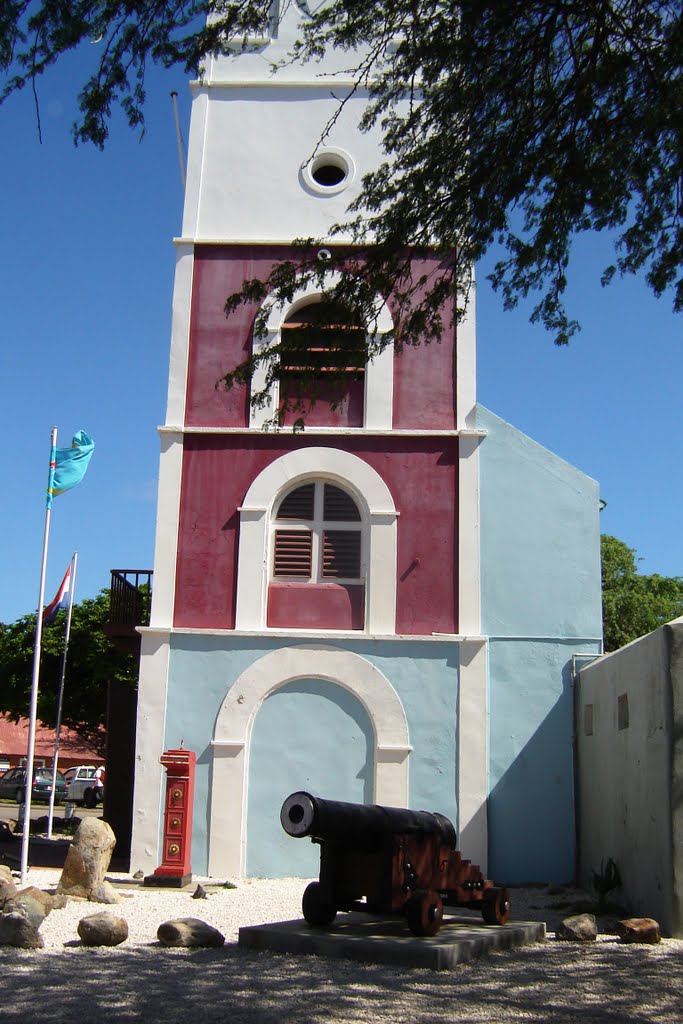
(386, 940)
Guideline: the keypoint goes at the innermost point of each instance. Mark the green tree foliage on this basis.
(521, 124)
(633, 605)
(92, 663)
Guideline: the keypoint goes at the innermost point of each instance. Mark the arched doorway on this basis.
(313, 735)
(238, 713)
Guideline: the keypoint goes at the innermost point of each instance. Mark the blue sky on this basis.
(85, 293)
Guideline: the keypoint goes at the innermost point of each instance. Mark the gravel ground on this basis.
(604, 982)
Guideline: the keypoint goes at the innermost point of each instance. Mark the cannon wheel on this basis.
(424, 911)
(495, 906)
(318, 910)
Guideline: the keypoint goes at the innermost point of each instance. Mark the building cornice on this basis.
(170, 429)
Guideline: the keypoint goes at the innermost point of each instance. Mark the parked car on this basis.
(13, 785)
(82, 786)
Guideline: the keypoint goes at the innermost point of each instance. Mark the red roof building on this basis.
(14, 745)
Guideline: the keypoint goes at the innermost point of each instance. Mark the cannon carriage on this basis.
(386, 860)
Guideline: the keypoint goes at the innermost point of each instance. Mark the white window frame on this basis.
(317, 527)
(378, 514)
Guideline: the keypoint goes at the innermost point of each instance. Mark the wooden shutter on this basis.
(298, 504)
(293, 549)
(338, 506)
(341, 554)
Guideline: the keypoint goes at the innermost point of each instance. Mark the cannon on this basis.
(388, 860)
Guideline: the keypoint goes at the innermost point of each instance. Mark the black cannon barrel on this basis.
(335, 821)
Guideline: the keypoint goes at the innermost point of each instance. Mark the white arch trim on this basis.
(252, 567)
(379, 371)
(235, 720)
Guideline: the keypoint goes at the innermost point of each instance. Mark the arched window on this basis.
(316, 576)
(370, 403)
(317, 536)
(322, 365)
(336, 516)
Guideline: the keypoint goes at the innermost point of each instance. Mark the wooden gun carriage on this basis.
(388, 860)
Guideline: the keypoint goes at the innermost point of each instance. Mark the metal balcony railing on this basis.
(130, 598)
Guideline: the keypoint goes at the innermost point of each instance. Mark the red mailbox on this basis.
(175, 868)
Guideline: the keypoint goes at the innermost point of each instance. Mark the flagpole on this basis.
(36, 667)
(58, 724)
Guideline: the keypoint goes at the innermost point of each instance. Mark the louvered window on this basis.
(320, 339)
(317, 535)
(298, 504)
(339, 505)
(293, 550)
(341, 554)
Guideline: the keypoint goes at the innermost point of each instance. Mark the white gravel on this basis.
(253, 901)
(606, 982)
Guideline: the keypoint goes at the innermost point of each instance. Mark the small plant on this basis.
(606, 880)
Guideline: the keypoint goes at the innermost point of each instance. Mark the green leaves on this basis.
(633, 605)
(525, 123)
(92, 663)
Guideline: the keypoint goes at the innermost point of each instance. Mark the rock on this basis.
(199, 893)
(32, 903)
(103, 929)
(139, 874)
(87, 859)
(579, 928)
(16, 930)
(105, 893)
(639, 929)
(7, 890)
(189, 931)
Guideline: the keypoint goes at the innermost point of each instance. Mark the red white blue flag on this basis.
(61, 598)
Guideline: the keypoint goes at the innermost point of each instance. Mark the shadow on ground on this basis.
(560, 982)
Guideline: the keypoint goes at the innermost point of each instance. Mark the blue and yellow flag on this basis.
(68, 465)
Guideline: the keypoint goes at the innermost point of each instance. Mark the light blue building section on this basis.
(541, 604)
(311, 734)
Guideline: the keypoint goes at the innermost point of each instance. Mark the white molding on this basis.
(167, 524)
(243, 241)
(324, 634)
(180, 334)
(473, 752)
(320, 82)
(234, 724)
(469, 561)
(466, 363)
(149, 746)
(195, 164)
(377, 508)
(322, 431)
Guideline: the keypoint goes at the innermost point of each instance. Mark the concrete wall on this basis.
(630, 758)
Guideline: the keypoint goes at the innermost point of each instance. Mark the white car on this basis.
(81, 785)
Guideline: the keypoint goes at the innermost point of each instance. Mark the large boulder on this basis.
(578, 928)
(34, 904)
(87, 861)
(103, 929)
(189, 931)
(16, 930)
(639, 929)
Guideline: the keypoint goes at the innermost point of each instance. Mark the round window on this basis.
(328, 172)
